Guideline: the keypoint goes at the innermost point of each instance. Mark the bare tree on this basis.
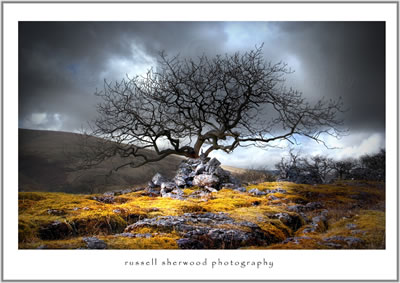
(371, 167)
(288, 165)
(318, 167)
(343, 167)
(191, 107)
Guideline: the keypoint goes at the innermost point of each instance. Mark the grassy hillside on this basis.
(344, 215)
(45, 164)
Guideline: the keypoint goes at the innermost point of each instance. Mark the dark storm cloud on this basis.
(61, 64)
(347, 60)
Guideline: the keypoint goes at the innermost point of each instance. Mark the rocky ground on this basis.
(204, 207)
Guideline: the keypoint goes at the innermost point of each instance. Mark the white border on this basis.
(102, 265)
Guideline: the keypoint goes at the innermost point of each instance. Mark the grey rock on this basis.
(350, 241)
(223, 175)
(212, 165)
(313, 205)
(199, 193)
(228, 185)
(151, 185)
(184, 171)
(318, 223)
(190, 244)
(205, 228)
(293, 221)
(180, 181)
(203, 172)
(296, 240)
(272, 197)
(174, 196)
(210, 189)
(128, 235)
(355, 232)
(146, 235)
(94, 243)
(167, 187)
(334, 245)
(296, 208)
(249, 224)
(256, 192)
(280, 190)
(103, 199)
(190, 163)
(200, 169)
(153, 190)
(240, 189)
(234, 180)
(158, 179)
(203, 180)
(319, 218)
(55, 212)
(324, 212)
(55, 230)
(351, 226)
(177, 191)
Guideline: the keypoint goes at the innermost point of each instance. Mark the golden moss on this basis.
(304, 244)
(98, 222)
(30, 196)
(356, 203)
(26, 230)
(74, 243)
(162, 242)
(188, 192)
(369, 225)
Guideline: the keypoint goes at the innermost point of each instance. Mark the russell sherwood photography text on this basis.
(205, 262)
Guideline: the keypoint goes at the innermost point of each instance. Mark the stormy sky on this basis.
(61, 64)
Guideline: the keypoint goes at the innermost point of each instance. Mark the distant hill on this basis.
(45, 164)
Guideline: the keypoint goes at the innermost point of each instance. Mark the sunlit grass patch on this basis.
(360, 204)
(227, 200)
(73, 243)
(159, 242)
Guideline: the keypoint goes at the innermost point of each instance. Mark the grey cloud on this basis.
(62, 63)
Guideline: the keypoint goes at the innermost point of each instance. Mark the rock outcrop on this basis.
(94, 243)
(204, 173)
(208, 231)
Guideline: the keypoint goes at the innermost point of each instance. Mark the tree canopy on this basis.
(193, 106)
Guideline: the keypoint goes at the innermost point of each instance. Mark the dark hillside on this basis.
(45, 164)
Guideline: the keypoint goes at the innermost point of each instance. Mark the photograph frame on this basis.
(394, 275)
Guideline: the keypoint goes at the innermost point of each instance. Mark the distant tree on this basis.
(304, 169)
(371, 167)
(374, 162)
(192, 107)
(318, 167)
(343, 168)
(288, 166)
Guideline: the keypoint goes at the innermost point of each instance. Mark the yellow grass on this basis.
(361, 204)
